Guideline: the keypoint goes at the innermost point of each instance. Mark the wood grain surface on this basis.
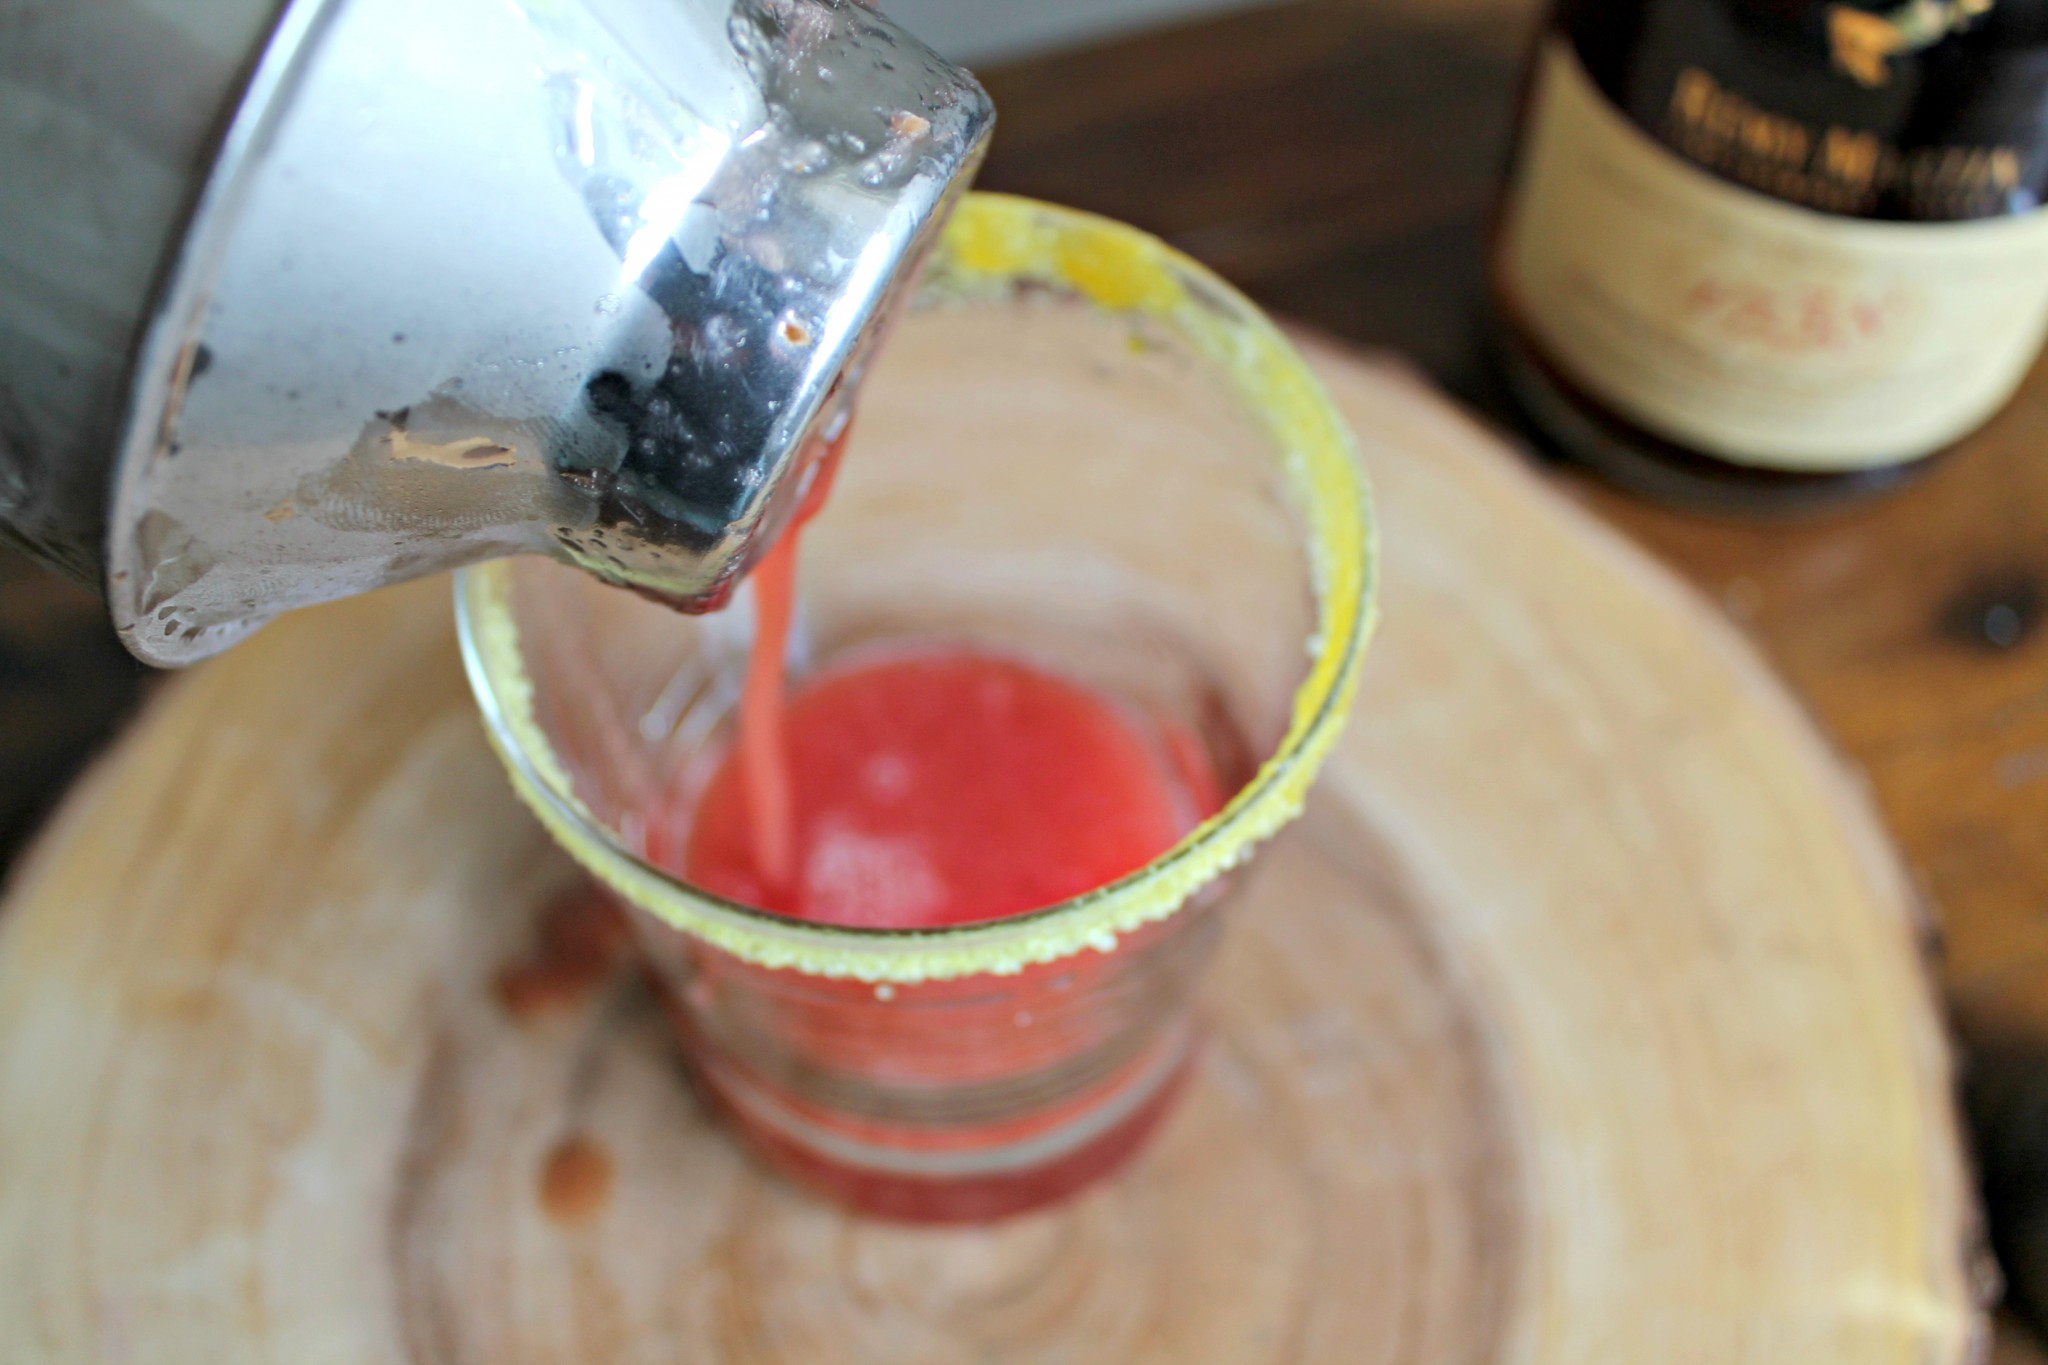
(1582, 1018)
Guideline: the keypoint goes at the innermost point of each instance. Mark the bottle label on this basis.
(1751, 329)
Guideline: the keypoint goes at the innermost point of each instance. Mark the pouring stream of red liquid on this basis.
(764, 740)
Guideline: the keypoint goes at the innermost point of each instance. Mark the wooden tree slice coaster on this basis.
(1581, 1019)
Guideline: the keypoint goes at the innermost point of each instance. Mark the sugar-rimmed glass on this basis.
(1078, 448)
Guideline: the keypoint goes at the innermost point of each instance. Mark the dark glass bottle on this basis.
(1766, 252)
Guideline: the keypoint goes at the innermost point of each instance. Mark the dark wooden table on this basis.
(1337, 159)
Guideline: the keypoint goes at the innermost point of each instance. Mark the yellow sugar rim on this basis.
(992, 242)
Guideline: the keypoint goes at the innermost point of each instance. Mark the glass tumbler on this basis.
(1078, 448)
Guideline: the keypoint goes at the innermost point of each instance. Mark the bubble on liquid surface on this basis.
(852, 877)
(886, 777)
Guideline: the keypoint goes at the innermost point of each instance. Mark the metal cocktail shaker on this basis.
(300, 299)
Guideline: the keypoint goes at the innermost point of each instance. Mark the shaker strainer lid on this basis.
(577, 277)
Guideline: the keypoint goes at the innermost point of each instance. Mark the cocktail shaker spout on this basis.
(299, 301)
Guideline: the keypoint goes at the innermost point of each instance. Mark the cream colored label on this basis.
(1736, 324)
